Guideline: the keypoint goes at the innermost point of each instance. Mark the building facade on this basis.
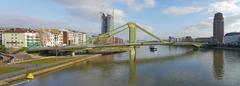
(65, 38)
(20, 37)
(32, 39)
(2, 30)
(203, 40)
(56, 38)
(80, 38)
(232, 38)
(108, 40)
(45, 37)
(71, 37)
(218, 29)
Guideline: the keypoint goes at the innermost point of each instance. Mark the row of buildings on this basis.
(32, 38)
(25, 37)
(232, 38)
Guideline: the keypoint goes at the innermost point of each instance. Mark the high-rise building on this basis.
(107, 23)
(218, 28)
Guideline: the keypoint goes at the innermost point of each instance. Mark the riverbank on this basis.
(223, 47)
(40, 69)
(226, 48)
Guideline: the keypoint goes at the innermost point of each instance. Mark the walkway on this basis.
(34, 67)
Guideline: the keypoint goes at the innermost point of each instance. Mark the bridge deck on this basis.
(115, 45)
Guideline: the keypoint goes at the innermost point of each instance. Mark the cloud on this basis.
(119, 15)
(176, 11)
(83, 14)
(226, 6)
(9, 20)
(139, 5)
(231, 10)
(90, 9)
(26, 21)
(205, 28)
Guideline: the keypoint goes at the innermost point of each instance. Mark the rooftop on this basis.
(19, 30)
(232, 34)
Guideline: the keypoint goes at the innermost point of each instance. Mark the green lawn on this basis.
(4, 70)
(44, 61)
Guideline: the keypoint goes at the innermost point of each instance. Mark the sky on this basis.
(164, 18)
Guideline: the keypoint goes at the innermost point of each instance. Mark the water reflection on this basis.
(132, 74)
(168, 66)
(106, 59)
(218, 64)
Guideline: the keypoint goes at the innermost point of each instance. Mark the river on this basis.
(168, 66)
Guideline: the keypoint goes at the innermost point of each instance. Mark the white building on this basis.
(56, 37)
(80, 38)
(232, 38)
(44, 37)
(72, 37)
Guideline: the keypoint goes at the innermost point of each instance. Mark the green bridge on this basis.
(132, 43)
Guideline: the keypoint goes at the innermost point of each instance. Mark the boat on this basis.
(152, 48)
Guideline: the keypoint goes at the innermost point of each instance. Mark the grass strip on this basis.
(45, 61)
(4, 70)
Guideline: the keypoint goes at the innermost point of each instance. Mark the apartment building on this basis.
(20, 37)
(56, 37)
(72, 37)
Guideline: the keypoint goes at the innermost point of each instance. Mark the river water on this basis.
(168, 66)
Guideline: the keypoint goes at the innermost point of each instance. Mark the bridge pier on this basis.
(132, 54)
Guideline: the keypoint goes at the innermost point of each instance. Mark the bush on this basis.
(23, 49)
(3, 48)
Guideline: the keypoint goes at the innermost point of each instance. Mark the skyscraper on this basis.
(107, 23)
(218, 28)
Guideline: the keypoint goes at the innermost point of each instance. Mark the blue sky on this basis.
(163, 17)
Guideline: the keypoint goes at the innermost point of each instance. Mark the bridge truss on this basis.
(132, 29)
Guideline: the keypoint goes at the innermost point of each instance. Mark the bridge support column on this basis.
(132, 39)
(73, 53)
(132, 54)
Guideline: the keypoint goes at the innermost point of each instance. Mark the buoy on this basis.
(29, 76)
